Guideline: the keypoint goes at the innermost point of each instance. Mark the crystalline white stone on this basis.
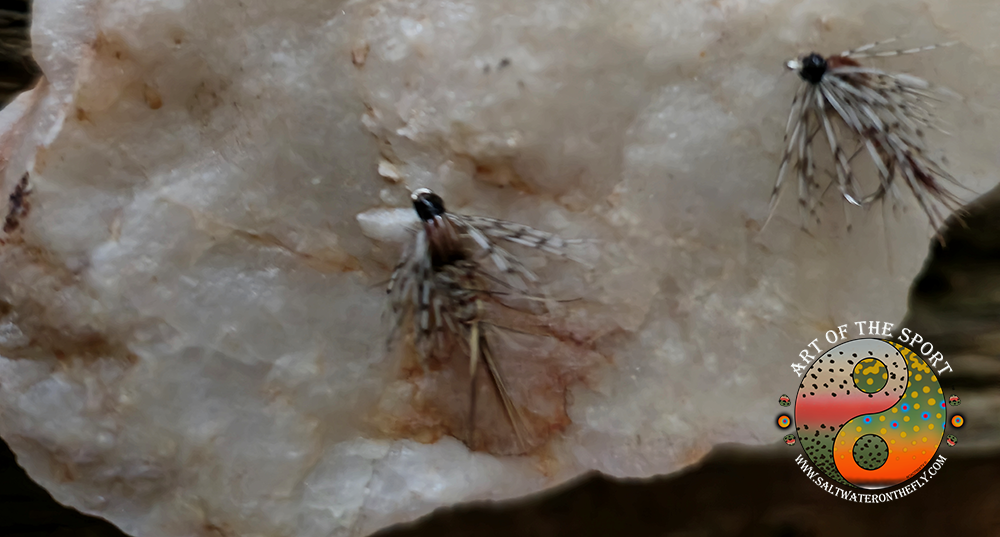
(388, 170)
(387, 225)
(190, 337)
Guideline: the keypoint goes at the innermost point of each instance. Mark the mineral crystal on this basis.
(190, 339)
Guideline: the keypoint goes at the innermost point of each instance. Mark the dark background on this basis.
(735, 491)
(17, 69)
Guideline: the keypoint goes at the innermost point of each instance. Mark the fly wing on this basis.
(525, 236)
(487, 233)
(506, 264)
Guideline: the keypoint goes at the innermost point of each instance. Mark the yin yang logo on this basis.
(870, 413)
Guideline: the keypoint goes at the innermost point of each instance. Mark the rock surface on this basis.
(191, 294)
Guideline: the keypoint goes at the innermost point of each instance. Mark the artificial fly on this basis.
(450, 276)
(888, 113)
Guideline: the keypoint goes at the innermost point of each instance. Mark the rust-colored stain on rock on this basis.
(539, 356)
(153, 98)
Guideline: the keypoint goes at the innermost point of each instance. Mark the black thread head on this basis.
(813, 68)
(428, 204)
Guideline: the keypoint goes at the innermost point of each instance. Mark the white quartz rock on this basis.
(190, 341)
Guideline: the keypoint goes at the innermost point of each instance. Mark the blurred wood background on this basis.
(735, 491)
(17, 69)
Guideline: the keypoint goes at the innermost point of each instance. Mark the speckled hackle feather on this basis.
(449, 276)
(887, 113)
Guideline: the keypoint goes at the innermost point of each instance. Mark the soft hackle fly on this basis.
(450, 275)
(886, 113)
